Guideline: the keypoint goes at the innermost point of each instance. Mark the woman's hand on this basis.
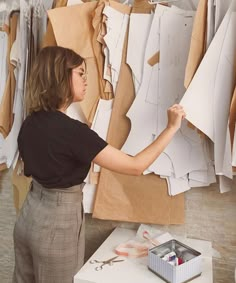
(175, 115)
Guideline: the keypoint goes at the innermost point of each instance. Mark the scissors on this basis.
(104, 262)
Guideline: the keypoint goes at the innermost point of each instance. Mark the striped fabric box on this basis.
(175, 262)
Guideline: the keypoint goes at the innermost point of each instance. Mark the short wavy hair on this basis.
(49, 84)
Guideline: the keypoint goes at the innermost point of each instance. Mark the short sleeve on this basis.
(86, 143)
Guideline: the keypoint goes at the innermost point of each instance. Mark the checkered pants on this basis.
(49, 236)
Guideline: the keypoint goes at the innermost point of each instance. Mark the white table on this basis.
(132, 270)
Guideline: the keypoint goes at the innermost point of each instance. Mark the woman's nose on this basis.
(84, 77)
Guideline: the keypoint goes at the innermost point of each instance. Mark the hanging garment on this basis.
(129, 198)
(6, 106)
(203, 102)
(9, 150)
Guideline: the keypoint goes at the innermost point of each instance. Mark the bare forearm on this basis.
(116, 160)
(147, 156)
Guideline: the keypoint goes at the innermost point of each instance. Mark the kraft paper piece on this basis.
(124, 9)
(142, 7)
(3, 166)
(98, 47)
(49, 37)
(198, 42)
(132, 198)
(6, 106)
(73, 29)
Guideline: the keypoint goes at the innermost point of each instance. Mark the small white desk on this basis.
(130, 270)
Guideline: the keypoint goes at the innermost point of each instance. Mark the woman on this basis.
(57, 152)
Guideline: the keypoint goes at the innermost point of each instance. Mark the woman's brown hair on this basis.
(49, 85)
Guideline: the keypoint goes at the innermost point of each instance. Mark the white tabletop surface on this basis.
(131, 270)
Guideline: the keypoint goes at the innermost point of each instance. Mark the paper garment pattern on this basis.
(148, 112)
(130, 198)
(211, 90)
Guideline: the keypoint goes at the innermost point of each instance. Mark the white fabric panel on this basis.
(100, 126)
(201, 178)
(116, 25)
(207, 99)
(162, 166)
(226, 184)
(199, 96)
(143, 116)
(139, 27)
(177, 185)
(101, 121)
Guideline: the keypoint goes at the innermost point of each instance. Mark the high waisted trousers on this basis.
(49, 237)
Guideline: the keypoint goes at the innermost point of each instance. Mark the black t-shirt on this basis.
(57, 151)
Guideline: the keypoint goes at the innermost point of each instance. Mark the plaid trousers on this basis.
(49, 236)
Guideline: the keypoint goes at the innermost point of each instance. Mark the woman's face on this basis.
(79, 82)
